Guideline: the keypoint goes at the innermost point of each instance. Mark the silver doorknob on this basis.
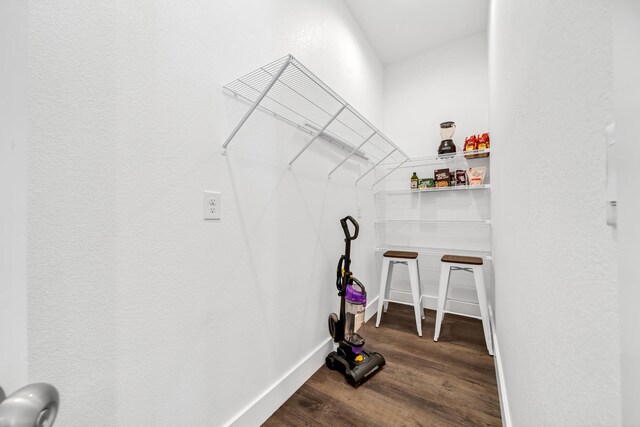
(35, 405)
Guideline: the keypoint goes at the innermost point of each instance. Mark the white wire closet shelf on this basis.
(456, 157)
(291, 92)
(433, 190)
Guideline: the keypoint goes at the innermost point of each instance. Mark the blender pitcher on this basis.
(447, 148)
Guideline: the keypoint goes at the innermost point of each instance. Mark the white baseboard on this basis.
(431, 302)
(502, 386)
(263, 406)
(372, 308)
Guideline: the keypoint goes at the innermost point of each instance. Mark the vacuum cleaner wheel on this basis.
(331, 362)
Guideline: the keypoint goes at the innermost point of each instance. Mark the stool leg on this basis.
(384, 282)
(478, 275)
(445, 274)
(420, 282)
(388, 286)
(415, 291)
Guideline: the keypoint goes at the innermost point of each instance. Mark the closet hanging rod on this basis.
(355, 151)
(313, 130)
(317, 135)
(340, 143)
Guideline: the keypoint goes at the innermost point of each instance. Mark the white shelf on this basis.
(436, 159)
(434, 221)
(434, 190)
(290, 92)
(472, 230)
(437, 251)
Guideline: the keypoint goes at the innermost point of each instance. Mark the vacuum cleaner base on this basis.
(355, 373)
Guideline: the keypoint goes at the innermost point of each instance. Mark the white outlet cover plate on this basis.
(212, 205)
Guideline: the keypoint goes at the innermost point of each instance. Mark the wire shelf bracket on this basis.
(317, 135)
(375, 166)
(290, 92)
(255, 104)
(355, 150)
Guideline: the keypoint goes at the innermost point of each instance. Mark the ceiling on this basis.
(398, 29)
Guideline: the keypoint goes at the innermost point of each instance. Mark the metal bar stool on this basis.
(473, 265)
(410, 259)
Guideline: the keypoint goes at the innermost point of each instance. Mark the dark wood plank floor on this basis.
(451, 382)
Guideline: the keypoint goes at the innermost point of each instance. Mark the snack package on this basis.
(442, 177)
(430, 182)
(476, 175)
(423, 184)
(461, 177)
(483, 144)
(470, 144)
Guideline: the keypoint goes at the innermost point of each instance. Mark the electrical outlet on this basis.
(212, 205)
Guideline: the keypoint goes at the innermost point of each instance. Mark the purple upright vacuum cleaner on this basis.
(356, 363)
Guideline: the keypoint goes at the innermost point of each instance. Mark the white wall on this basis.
(13, 183)
(139, 311)
(554, 256)
(442, 84)
(626, 69)
(405, 228)
(446, 83)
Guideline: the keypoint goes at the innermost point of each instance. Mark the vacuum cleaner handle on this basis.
(345, 227)
(339, 274)
(359, 283)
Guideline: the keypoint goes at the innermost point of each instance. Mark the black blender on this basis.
(447, 148)
(350, 358)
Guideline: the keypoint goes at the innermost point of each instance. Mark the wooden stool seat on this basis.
(458, 259)
(401, 254)
(472, 265)
(410, 259)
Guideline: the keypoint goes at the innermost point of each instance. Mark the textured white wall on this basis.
(554, 256)
(13, 184)
(449, 82)
(626, 69)
(442, 84)
(139, 311)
